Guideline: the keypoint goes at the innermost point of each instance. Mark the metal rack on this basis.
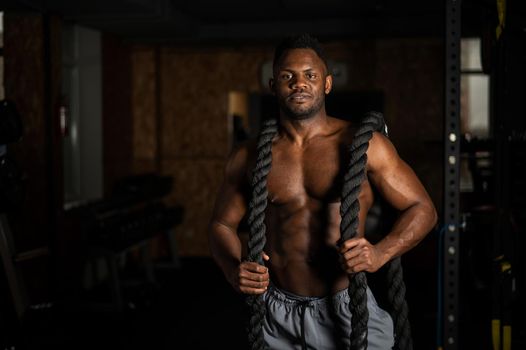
(451, 175)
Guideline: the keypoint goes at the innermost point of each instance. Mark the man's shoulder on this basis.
(242, 156)
(381, 151)
(245, 149)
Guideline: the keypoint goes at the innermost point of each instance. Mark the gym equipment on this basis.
(129, 218)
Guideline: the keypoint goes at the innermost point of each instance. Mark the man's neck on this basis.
(301, 131)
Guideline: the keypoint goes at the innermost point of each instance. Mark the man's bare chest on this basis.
(308, 174)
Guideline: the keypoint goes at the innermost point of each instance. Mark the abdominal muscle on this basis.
(303, 251)
(298, 277)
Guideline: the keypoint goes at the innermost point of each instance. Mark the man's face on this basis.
(300, 83)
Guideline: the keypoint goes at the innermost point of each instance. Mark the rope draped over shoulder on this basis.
(256, 222)
(349, 212)
(349, 209)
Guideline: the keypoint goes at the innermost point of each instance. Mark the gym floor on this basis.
(189, 308)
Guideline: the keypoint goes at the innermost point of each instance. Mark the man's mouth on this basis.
(299, 97)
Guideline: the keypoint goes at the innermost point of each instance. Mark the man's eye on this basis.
(286, 76)
(311, 76)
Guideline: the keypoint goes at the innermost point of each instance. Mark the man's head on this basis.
(302, 41)
(300, 77)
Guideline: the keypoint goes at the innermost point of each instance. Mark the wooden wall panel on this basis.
(130, 110)
(32, 54)
(195, 132)
(144, 104)
(196, 182)
(24, 85)
(195, 88)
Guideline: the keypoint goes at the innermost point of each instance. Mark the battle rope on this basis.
(349, 224)
(349, 209)
(256, 218)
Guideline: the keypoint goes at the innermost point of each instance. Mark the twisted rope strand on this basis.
(372, 121)
(256, 222)
(396, 296)
(349, 209)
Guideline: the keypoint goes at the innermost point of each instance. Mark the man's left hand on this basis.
(358, 255)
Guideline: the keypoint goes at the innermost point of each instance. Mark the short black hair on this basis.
(302, 41)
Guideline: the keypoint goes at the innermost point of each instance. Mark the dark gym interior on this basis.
(117, 118)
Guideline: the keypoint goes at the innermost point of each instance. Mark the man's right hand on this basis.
(251, 277)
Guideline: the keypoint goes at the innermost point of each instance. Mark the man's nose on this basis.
(298, 82)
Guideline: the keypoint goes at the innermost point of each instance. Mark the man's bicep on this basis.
(393, 177)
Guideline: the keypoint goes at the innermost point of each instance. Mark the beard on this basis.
(301, 111)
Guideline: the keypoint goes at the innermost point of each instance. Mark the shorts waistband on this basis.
(291, 298)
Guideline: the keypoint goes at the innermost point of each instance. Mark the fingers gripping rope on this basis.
(256, 221)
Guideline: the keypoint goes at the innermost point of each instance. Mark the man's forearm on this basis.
(410, 228)
(225, 247)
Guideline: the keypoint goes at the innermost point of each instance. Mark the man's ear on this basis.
(328, 84)
(271, 85)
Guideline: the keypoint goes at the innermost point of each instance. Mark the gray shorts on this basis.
(297, 322)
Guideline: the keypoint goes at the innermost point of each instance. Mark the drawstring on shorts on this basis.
(303, 305)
